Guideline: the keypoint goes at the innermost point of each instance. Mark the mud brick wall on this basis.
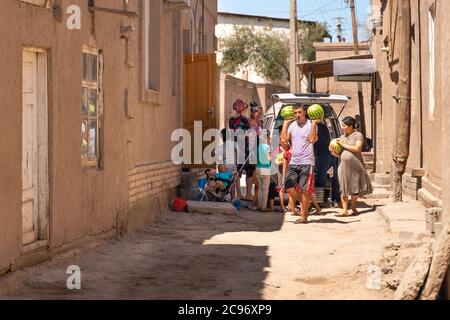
(410, 186)
(430, 194)
(153, 179)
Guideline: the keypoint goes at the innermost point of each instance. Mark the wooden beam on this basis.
(403, 107)
(129, 14)
(439, 266)
(418, 173)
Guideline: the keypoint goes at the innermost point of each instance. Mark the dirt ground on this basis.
(249, 256)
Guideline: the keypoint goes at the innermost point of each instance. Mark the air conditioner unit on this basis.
(174, 5)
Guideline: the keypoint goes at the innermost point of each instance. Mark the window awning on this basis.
(350, 65)
(354, 66)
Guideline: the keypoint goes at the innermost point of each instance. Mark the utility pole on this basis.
(403, 107)
(339, 29)
(293, 56)
(360, 90)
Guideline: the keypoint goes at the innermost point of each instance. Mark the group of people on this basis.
(304, 161)
(257, 174)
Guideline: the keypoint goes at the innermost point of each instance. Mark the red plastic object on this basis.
(179, 205)
(310, 187)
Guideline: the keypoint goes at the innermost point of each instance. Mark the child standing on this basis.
(263, 172)
(283, 161)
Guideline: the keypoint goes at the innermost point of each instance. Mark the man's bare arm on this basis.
(285, 135)
(313, 136)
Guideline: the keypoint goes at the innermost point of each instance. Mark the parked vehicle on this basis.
(273, 120)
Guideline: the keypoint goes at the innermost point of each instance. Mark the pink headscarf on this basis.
(240, 105)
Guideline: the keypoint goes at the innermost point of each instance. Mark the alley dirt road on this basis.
(249, 256)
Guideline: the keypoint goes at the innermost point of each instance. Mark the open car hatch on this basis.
(310, 98)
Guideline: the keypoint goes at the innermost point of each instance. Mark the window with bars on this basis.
(90, 120)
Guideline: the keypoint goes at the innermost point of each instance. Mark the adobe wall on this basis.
(443, 94)
(84, 202)
(326, 51)
(425, 144)
(136, 178)
(432, 126)
(232, 88)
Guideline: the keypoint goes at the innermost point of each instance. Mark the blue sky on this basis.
(314, 10)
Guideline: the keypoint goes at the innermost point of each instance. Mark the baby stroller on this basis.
(205, 193)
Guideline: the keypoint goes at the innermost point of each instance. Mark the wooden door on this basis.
(200, 92)
(34, 147)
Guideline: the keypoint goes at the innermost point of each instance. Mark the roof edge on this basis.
(243, 15)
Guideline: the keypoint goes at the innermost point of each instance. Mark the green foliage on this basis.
(267, 50)
(308, 34)
(271, 54)
(236, 49)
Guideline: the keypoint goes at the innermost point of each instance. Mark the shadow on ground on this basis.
(195, 256)
(333, 221)
(167, 260)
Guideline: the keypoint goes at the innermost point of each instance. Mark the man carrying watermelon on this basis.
(302, 133)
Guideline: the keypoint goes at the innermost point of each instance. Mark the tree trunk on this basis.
(403, 107)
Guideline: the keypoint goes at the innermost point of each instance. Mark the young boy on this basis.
(284, 159)
(222, 178)
(263, 172)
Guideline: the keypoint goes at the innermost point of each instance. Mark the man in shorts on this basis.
(302, 133)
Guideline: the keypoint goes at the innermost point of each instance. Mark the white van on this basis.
(273, 119)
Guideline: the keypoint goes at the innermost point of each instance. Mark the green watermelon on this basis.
(336, 146)
(287, 113)
(315, 112)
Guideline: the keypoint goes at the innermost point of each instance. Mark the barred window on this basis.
(90, 121)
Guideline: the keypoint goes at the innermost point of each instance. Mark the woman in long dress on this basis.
(240, 123)
(353, 177)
